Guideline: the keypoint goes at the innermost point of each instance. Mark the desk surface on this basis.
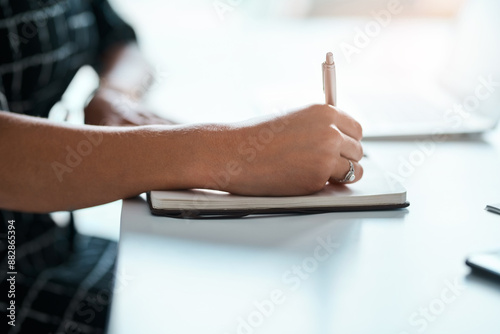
(372, 272)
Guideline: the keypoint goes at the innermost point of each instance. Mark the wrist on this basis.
(184, 157)
(214, 163)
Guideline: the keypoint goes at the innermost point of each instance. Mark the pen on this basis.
(329, 80)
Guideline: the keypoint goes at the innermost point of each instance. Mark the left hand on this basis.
(114, 108)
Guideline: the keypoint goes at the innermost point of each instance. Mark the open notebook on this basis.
(376, 191)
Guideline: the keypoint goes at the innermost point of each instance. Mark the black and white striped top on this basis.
(43, 43)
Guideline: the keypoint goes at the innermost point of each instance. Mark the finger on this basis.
(161, 120)
(341, 170)
(113, 120)
(347, 124)
(152, 118)
(351, 149)
(137, 117)
(131, 119)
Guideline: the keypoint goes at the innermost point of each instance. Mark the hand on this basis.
(293, 154)
(114, 108)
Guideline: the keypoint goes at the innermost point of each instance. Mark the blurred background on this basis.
(263, 53)
(313, 8)
(228, 60)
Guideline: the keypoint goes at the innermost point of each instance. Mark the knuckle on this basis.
(318, 174)
(315, 184)
(335, 135)
(310, 109)
(361, 152)
(325, 110)
(359, 172)
(358, 129)
(318, 106)
(333, 112)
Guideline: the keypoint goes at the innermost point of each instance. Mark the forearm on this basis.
(47, 167)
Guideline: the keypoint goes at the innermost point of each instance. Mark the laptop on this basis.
(418, 77)
(444, 79)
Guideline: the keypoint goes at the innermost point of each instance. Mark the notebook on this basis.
(377, 190)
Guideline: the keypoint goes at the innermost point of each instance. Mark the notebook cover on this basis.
(232, 213)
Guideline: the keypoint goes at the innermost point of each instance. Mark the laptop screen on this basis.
(475, 55)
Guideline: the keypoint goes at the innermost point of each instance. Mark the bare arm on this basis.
(47, 167)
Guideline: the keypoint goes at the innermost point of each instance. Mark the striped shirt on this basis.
(43, 43)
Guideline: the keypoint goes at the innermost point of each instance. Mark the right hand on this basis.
(293, 154)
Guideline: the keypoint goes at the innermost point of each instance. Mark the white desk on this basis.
(385, 271)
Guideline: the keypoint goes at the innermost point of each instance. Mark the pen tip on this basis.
(329, 58)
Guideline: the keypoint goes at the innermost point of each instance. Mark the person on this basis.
(62, 282)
